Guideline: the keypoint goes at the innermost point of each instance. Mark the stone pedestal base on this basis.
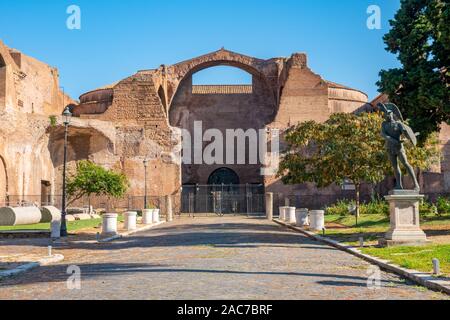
(317, 220)
(301, 217)
(130, 223)
(155, 216)
(290, 215)
(147, 216)
(109, 225)
(405, 221)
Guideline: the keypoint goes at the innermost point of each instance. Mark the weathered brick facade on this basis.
(122, 124)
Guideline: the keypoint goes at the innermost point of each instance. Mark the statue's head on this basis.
(389, 116)
(391, 112)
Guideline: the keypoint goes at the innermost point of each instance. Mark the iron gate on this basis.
(223, 199)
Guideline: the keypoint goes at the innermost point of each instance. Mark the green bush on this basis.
(443, 205)
(427, 208)
(342, 208)
(375, 207)
(339, 208)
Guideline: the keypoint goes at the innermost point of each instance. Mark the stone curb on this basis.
(32, 265)
(422, 278)
(128, 233)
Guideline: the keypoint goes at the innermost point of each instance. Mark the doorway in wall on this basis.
(46, 193)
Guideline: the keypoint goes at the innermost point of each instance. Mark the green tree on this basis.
(420, 37)
(92, 179)
(346, 147)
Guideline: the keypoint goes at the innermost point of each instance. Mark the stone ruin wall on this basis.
(29, 94)
(120, 125)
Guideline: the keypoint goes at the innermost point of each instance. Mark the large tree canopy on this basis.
(92, 179)
(420, 37)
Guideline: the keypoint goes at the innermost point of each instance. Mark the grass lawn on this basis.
(372, 227)
(71, 226)
(417, 258)
(379, 221)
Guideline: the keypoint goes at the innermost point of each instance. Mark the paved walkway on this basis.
(210, 258)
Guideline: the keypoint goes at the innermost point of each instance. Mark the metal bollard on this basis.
(436, 267)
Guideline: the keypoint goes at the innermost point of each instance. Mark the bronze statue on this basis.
(393, 129)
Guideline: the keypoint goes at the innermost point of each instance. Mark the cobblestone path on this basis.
(209, 258)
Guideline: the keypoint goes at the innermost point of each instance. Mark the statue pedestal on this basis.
(405, 223)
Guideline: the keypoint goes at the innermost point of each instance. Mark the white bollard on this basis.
(55, 229)
(290, 215)
(147, 216)
(155, 216)
(282, 213)
(317, 220)
(301, 217)
(130, 220)
(436, 267)
(361, 242)
(286, 214)
(109, 225)
(169, 209)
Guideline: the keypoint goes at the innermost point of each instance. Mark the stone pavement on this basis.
(209, 258)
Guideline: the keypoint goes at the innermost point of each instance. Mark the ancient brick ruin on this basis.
(120, 125)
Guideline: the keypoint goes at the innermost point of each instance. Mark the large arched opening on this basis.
(230, 117)
(223, 176)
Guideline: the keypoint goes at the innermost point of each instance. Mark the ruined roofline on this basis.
(11, 51)
(215, 52)
(107, 87)
(334, 85)
(273, 59)
(207, 55)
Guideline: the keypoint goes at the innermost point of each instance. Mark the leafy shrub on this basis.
(427, 208)
(443, 205)
(375, 207)
(340, 208)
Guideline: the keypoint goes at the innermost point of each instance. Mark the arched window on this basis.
(222, 75)
(223, 176)
(222, 80)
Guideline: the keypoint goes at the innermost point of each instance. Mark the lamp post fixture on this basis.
(67, 115)
(145, 183)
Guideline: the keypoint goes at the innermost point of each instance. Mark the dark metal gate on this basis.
(223, 199)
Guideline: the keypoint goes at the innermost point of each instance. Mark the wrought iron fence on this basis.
(99, 203)
(200, 199)
(223, 199)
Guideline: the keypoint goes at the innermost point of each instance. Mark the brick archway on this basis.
(265, 70)
(224, 176)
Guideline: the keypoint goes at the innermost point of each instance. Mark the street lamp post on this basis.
(145, 183)
(67, 115)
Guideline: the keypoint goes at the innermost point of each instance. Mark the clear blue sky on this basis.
(118, 38)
